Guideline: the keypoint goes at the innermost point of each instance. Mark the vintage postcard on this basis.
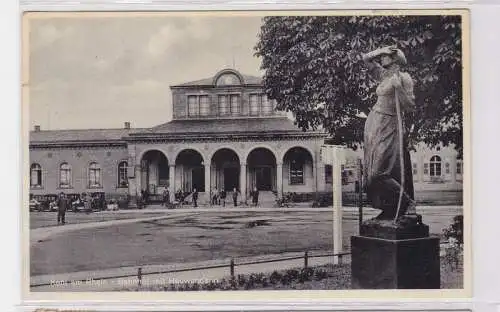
(250, 155)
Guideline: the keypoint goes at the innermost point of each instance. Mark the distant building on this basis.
(225, 135)
(436, 169)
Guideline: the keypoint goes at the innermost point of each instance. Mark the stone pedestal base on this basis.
(382, 263)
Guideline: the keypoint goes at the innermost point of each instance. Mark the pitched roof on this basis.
(222, 126)
(174, 129)
(248, 80)
(78, 135)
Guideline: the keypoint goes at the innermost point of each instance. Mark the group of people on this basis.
(219, 197)
(64, 203)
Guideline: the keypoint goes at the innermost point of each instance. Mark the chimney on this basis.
(37, 128)
(127, 125)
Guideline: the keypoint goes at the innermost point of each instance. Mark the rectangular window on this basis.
(254, 104)
(223, 106)
(296, 172)
(193, 106)
(328, 174)
(426, 168)
(415, 170)
(447, 168)
(204, 105)
(267, 106)
(198, 105)
(235, 104)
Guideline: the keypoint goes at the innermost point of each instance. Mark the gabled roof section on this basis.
(211, 81)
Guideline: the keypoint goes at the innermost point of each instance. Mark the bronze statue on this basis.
(387, 164)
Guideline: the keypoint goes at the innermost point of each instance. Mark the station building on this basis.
(224, 134)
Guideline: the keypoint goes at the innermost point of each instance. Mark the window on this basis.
(223, 105)
(426, 168)
(415, 169)
(193, 106)
(447, 168)
(198, 105)
(229, 104)
(122, 174)
(435, 166)
(328, 174)
(267, 106)
(254, 104)
(36, 175)
(204, 105)
(228, 79)
(235, 104)
(65, 175)
(94, 175)
(260, 104)
(296, 172)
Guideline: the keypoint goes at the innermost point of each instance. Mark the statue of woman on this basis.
(387, 164)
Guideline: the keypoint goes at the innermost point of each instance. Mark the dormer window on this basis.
(229, 105)
(198, 105)
(228, 79)
(259, 104)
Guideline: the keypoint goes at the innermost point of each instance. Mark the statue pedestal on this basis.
(395, 256)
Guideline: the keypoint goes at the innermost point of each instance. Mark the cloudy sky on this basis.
(101, 72)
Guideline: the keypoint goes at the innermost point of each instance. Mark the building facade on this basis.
(225, 135)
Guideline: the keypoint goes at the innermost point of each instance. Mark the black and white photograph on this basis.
(246, 151)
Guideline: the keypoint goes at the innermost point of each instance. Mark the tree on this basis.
(313, 68)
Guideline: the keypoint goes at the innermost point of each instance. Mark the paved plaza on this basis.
(154, 237)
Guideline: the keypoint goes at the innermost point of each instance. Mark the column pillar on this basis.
(243, 181)
(138, 179)
(207, 182)
(279, 179)
(171, 182)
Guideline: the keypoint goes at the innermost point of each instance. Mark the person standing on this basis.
(235, 197)
(255, 196)
(195, 198)
(166, 197)
(214, 196)
(62, 206)
(223, 197)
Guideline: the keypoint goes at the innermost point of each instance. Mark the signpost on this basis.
(334, 155)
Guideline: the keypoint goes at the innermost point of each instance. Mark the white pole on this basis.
(337, 160)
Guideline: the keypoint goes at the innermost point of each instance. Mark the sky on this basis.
(102, 72)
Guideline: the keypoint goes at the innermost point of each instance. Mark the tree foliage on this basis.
(313, 68)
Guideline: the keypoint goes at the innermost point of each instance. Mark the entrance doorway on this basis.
(262, 169)
(231, 179)
(263, 178)
(198, 179)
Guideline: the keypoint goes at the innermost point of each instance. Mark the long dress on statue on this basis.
(382, 151)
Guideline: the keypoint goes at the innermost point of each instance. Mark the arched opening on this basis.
(298, 168)
(154, 172)
(262, 169)
(36, 175)
(225, 170)
(190, 171)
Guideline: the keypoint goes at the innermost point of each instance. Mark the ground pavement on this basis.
(92, 282)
